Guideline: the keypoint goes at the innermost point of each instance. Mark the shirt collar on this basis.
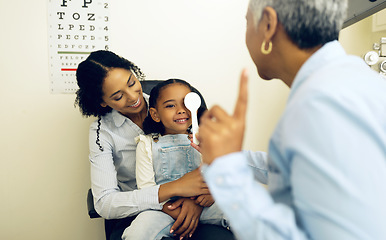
(320, 58)
(119, 119)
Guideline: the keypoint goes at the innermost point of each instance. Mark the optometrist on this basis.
(326, 163)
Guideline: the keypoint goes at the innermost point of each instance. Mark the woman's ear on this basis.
(270, 22)
(103, 104)
(154, 115)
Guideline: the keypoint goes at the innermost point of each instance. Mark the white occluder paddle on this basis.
(192, 102)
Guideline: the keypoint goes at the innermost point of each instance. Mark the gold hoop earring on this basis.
(269, 50)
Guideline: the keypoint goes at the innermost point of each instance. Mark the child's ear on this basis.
(103, 104)
(154, 115)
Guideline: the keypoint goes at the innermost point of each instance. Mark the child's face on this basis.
(171, 110)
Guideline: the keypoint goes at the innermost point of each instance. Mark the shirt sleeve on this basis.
(248, 206)
(144, 163)
(109, 201)
(257, 161)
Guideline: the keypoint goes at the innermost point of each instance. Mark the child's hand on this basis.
(195, 146)
(205, 200)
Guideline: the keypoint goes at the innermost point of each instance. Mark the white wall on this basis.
(44, 172)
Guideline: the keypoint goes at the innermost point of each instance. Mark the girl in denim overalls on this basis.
(164, 155)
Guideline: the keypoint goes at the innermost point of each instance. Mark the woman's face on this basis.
(122, 92)
(171, 110)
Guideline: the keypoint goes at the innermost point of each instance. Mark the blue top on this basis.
(326, 162)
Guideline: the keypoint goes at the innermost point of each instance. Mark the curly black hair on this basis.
(90, 76)
(152, 127)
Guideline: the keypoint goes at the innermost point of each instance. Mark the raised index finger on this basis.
(242, 100)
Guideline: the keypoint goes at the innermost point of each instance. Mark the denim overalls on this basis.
(173, 157)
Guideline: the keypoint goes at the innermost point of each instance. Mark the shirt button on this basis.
(220, 180)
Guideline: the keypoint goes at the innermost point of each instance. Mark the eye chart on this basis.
(75, 29)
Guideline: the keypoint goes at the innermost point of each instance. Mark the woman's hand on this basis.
(219, 133)
(191, 184)
(171, 211)
(188, 218)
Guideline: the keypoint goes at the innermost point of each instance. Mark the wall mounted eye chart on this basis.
(75, 29)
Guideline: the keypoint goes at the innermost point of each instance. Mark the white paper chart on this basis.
(75, 29)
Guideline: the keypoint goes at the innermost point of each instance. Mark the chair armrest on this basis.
(90, 205)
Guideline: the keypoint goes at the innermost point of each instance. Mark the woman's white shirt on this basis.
(113, 179)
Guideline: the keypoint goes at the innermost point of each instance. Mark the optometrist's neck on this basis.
(292, 59)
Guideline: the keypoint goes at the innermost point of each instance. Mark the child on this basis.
(164, 155)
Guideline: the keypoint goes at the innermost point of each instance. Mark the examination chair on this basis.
(203, 231)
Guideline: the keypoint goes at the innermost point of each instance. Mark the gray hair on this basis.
(308, 23)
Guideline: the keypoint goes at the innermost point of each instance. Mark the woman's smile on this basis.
(136, 104)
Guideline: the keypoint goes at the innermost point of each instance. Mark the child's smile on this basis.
(171, 110)
(181, 120)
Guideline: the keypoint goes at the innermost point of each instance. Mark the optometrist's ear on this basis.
(154, 115)
(270, 21)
